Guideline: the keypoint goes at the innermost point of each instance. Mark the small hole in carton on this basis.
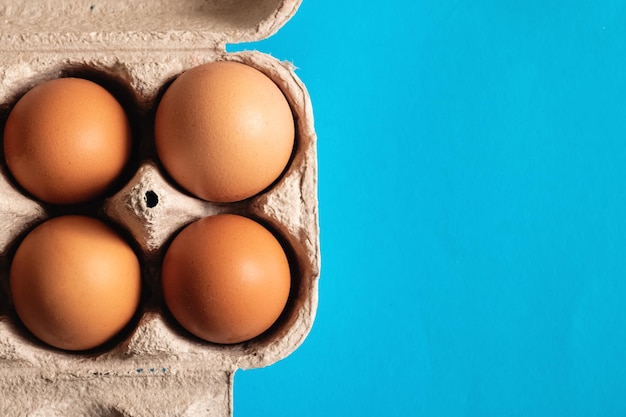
(151, 199)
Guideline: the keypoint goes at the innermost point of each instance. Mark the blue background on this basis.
(472, 160)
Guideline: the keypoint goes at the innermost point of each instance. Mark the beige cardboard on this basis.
(157, 369)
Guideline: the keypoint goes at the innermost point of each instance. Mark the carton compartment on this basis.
(125, 96)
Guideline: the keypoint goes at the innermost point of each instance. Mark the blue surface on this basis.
(472, 187)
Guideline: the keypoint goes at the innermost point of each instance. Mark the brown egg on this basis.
(67, 140)
(226, 278)
(75, 282)
(224, 131)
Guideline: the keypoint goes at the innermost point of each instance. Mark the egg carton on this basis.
(135, 49)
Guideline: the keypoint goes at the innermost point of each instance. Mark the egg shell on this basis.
(75, 282)
(224, 131)
(138, 48)
(226, 278)
(67, 141)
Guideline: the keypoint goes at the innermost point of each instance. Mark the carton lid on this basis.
(145, 24)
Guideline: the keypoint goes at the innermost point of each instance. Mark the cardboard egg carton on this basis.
(135, 49)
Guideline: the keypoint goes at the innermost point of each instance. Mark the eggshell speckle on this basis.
(224, 131)
(226, 278)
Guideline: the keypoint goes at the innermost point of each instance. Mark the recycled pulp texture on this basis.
(156, 368)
